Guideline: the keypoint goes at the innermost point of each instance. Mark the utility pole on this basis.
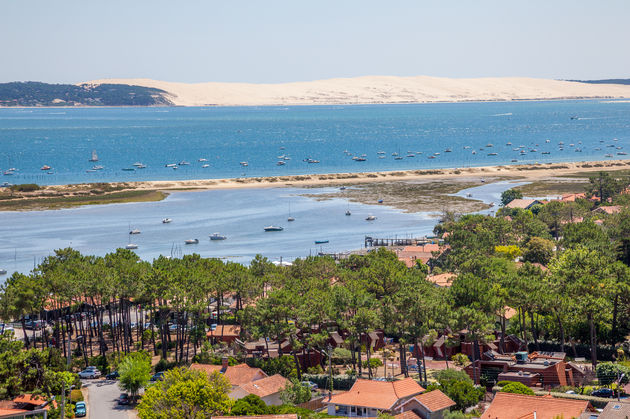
(63, 399)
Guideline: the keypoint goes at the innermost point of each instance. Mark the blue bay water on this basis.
(65, 138)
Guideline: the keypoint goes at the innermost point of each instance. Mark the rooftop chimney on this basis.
(224, 363)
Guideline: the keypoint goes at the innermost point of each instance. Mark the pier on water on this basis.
(398, 241)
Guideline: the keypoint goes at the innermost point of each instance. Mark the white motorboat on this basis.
(273, 228)
(370, 218)
(3, 271)
(217, 236)
(166, 220)
(94, 157)
(202, 159)
(131, 246)
(135, 231)
(348, 212)
(192, 241)
(205, 166)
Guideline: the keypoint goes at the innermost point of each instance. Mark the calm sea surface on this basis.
(65, 138)
(262, 136)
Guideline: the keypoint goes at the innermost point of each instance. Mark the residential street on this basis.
(102, 400)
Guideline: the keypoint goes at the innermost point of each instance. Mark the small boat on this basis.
(547, 141)
(137, 164)
(448, 150)
(90, 171)
(94, 157)
(166, 220)
(191, 241)
(98, 167)
(398, 158)
(131, 246)
(370, 218)
(432, 157)
(489, 145)
(474, 152)
(492, 154)
(348, 212)
(184, 163)
(546, 152)
(343, 188)
(202, 159)
(3, 271)
(608, 155)
(311, 161)
(574, 117)
(622, 153)
(381, 157)
(170, 165)
(46, 167)
(290, 218)
(491, 204)
(514, 160)
(321, 241)
(128, 169)
(360, 159)
(280, 163)
(8, 173)
(273, 228)
(380, 201)
(205, 166)
(411, 155)
(135, 231)
(142, 166)
(217, 236)
(244, 163)
(380, 152)
(394, 154)
(508, 143)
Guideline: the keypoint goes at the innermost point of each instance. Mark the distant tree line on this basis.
(45, 94)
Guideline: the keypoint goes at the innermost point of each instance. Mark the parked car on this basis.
(604, 392)
(124, 399)
(35, 324)
(80, 409)
(112, 375)
(4, 328)
(158, 376)
(89, 373)
(310, 385)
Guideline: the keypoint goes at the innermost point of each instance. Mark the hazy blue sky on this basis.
(292, 40)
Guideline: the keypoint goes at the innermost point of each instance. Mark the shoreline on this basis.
(72, 195)
(534, 172)
(607, 99)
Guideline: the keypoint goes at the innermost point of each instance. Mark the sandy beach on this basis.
(528, 172)
(412, 190)
(375, 90)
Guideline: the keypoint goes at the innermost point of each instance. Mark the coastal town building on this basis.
(368, 398)
(268, 389)
(237, 375)
(521, 406)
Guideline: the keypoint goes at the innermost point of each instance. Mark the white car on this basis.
(90, 373)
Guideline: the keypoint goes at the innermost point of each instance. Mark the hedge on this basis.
(76, 396)
(340, 382)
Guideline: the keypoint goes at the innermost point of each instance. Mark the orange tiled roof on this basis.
(266, 386)
(226, 330)
(30, 399)
(435, 400)
(511, 406)
(442, 280)
(382, 395)
(408, 414)
(237, 375)
(4, 411)
(572, 197)
(613, 209)
(286, 416)
(521, 203)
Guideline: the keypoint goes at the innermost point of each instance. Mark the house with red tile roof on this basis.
(369, 398)
(224, 333)
(442, 280)
(610, 210)
(268, 389)
(523, 203)
(237, 375)
(285, 416)
(429, 405)
(516, 406)
(26, 405)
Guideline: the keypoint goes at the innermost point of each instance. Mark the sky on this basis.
(274, 41)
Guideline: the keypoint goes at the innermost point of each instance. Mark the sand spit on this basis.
(377, 90)
(528, 172)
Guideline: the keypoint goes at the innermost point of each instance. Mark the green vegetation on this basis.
(73, 201)
(44, 94)
(458, 386)
(517, 388)
(135, 372)
(186, 394)
(510, 195)
(295, 393)
(25, 187)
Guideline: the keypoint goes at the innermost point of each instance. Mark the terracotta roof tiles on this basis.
(511, 406)
(382, 395)
(265, 386)
(237, 375)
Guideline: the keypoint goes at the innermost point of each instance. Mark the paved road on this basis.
(102, 400)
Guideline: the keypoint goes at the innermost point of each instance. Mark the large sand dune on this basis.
(377, 89)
